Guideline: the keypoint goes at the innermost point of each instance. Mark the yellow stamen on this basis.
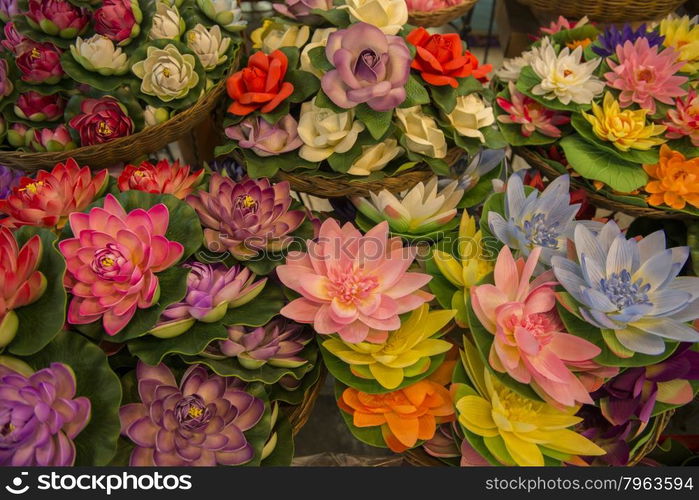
(107, 262)
(248, 201)
(35, 53)
(33, 188)
(166, 72)
(195, 412)
(103, 129)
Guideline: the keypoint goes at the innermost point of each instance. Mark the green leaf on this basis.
(564, 37)
(277, 113)
(377, 122)
(323, 101)
(95, 80)
(292, 54)
(305, 85)
(319, 60)
(444, 96)
(478, 193)
(341, 162)
(259, 311)
(258, 167)
(336, 17)
(258, 435)
(416, 93)
(283, 452)
(294, 397)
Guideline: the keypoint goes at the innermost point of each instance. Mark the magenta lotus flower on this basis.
(198, 423)
(8, 9)
(39, 108)
(264, 138)
(530, 114)
(57, 17)
(211, 290)
(246, 217)
(40, 416)
(644, 74)
(300, 10)
(370, 67)
(101, 120)
(353, 285)
(52, 139)
(683, 119)
(15, 42)
(118, 20)
(112, 260)
(41, 64)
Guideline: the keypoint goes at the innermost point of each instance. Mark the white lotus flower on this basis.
(325, 132)
(225, 13)
(422, 133)
(471, 114)
(166, 74)
(167, 23)
(387, 15)
(210, 46)
(375, 157)
(99, 54)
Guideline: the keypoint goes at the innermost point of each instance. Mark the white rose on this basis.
(375, 157)
(153, 116)
(325, 132)
(422, 134)
(210, 46)
(278, 35)
(166, 73)
(167, 23)
(469, 115)
(98, 53)
(387, 15)
(319, 39)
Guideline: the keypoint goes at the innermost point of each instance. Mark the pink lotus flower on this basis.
(562, 24)
(14, 41)
(683, 119)
(351, 284)
(112, 260)
(57, 17)
(39, 108)
(530, 344)
(532, 115)
(40, 63)
(118, 20)
(644, 75)
(52, 139)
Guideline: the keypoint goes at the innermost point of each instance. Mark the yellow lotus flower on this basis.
(682, 34)
(406, 352)
(626, 129)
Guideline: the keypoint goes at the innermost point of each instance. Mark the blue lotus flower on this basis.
(613, 36)
(630, 289)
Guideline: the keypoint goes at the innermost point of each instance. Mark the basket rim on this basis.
(298, 415)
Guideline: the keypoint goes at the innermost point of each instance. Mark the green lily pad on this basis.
(258, 311)
(92, 78)
(283, 452)
(444, 96)
(480, 192)
(295, 397)
(258, 435)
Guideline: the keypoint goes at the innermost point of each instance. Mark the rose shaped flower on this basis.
(41, 64)
(57, 17)
(98, 53)
(162, 178)
(246, 217)
(167, 23)
(470, 115)
(300, 10)
(36, 107)
(9, 178)
(260, 85)
(118, 20)
(101, 120)
(275, 35)
(370, 67)
(153, 116)
(264, 138)
(387, 15)
(441, 59)
(422, 134)
(15, 42)
(166, 74)
(375, 157)
(210, 45)
(319, 39)
(6, 86)
(8, 9)
(199, 423)
(112, 260)
(225, 13)
(19, 135)
(40, 416)
(56, 139)
(325, 132)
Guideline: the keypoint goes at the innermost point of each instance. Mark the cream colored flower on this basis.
(273, 35)
(153, 116)
(469, 115)
(225, 13)
(387, 15)
(319, 39)
(375, 157)
(511, 68)
(210, 46)
(167, 23)
(325, 132)
(99, 54)
(166, 74)
(422, 133)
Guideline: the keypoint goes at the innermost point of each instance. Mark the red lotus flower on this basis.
(118, 20)
(261, 85)
(37, 107)
(41, 63)
(57, 17)
(101, 120)
(162, 178)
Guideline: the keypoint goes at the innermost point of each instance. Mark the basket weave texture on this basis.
(298, 415)
(607, 11)
(440, 17)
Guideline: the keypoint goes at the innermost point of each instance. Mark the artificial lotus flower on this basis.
(118, 20)
(530, 114)
(246, 217)
(511, 68)
(300, 10)
(375, 157)
(422, 209)
(470, 115)
(14, 42)
(167, 23)
(9, 178)
(101, 120)
(153, 116)
(388, 15)
(683, 119)
(19, 135)
(111, 262)
(209, 45)
(57, 17)
(543, 219)
(201, 422)
(263, 138)
(22, 285)
(562, 24)
(99, 54)
(625, 129)
(421, 133)
(37, 107)
(682, 34)
(40, 64)
(405, 352)
(55, 139)
(325, 132)
(613, 37)
(352, 285)
(586, 211)
(405, 416)
(630, 289)
(48, 199)
(225, 13)
(8, 9)
(212, 289)
(614, 439)
(166, 74)
(161, 178)
(674, 180)
(40, 416)
(273, 35)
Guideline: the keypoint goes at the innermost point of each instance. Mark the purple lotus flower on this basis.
(9, 178)
(199, 423)
(41, 64)
(614, 439)
(300, 10)
(14, 41)
(264, 138)
(8, 9)
(370, 67)
(40, 416)
(613, 36)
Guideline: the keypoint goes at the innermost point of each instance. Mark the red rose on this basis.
(261, 85)
(441, 59)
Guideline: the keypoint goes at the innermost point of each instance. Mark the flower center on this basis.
(104, 129)
(35, 53)
(567, 73)
(33, 187)
(246, 203)
(350, 288)
(645, 75)
(539, 233)
(623, 292)
(166, 73)
(7, 429)
(107, 261)
(140, 173)
(192, 413)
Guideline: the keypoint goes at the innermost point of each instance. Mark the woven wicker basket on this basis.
(440, 17)
(606, 11)
(298, 414)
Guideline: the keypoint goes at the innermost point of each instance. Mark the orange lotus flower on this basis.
(405, 415)
(675, 180)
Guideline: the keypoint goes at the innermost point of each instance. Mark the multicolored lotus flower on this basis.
(57, 17)
(162, 178)
(212, 289)
(682, 34)
(674, 180)
(353, 285)
(112, 260)
(405, 416)
(265, 139)
(118, 20)
(9, 178)
(683, 119)
(614, 37)
(630, 289)
(52, 139)
(40, 417)
(246, 217)
(260, 85)
(101, 120)
(201, 422)
(48, 199)
(530, 114)
(40, 64)
(22, 282)
(37, 107)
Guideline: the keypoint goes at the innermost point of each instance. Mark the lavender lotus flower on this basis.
(370, 67)
(8, 9)
(613, 37)
(9, 178)
(40, 416)
(264, 138)
(630, 289)
(198, 423)
(300, 10)
(211, 290)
